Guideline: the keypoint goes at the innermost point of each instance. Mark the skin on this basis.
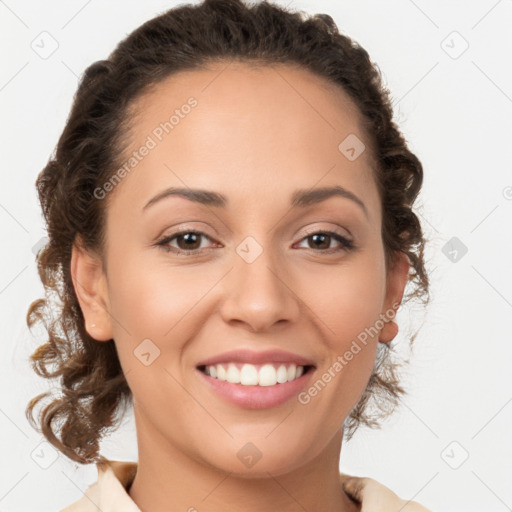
(256, 136)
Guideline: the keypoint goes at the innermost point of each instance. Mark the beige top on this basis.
(109, 493)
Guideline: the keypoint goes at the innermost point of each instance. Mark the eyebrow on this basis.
(300, 198)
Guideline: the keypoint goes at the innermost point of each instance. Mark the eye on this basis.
(321, 241)
(187, 242)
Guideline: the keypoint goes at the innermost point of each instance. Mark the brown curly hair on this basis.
(92, 388)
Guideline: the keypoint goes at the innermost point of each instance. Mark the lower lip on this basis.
(257, 397)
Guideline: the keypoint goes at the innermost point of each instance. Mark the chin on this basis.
(250, 462)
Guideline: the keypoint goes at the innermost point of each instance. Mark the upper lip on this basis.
(252, 357)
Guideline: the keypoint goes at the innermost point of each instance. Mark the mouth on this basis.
(256, 379)
(255, 386)
(261, 375)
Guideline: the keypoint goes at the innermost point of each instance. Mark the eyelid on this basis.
(307, 232)
(189, 226)
(313, 231)
(165, 240)
(346, 241)
(182, 231)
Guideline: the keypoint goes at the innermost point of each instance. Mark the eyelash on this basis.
(348, 245)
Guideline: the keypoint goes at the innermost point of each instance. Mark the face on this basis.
(261, 263)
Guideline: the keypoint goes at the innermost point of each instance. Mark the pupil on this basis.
(189, 237)
(324, 237)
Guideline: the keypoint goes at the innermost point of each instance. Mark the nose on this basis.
(259, 295)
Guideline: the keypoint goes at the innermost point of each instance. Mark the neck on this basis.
(170, 479)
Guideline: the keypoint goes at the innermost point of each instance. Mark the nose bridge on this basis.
(257, 293)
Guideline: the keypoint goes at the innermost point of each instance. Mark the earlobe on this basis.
(397, 278)
(89, 282)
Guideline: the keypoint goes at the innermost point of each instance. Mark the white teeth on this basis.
(233, 374)
(252, 375)
(221, 372)
(267, 375)
(249, 375)
(282, 374)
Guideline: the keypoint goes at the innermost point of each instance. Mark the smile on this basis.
(255, 386)
(269, 374)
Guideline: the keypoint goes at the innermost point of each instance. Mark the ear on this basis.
(90, 284)
(396, 280)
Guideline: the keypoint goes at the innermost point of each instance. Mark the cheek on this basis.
(150, 299)
(153, 309)
(348, 298)
(347, 303)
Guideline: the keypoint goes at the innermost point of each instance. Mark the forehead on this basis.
(250, 127)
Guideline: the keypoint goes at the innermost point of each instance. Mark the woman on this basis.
(231, 232)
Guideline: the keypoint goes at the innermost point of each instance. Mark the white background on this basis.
(456, 114)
